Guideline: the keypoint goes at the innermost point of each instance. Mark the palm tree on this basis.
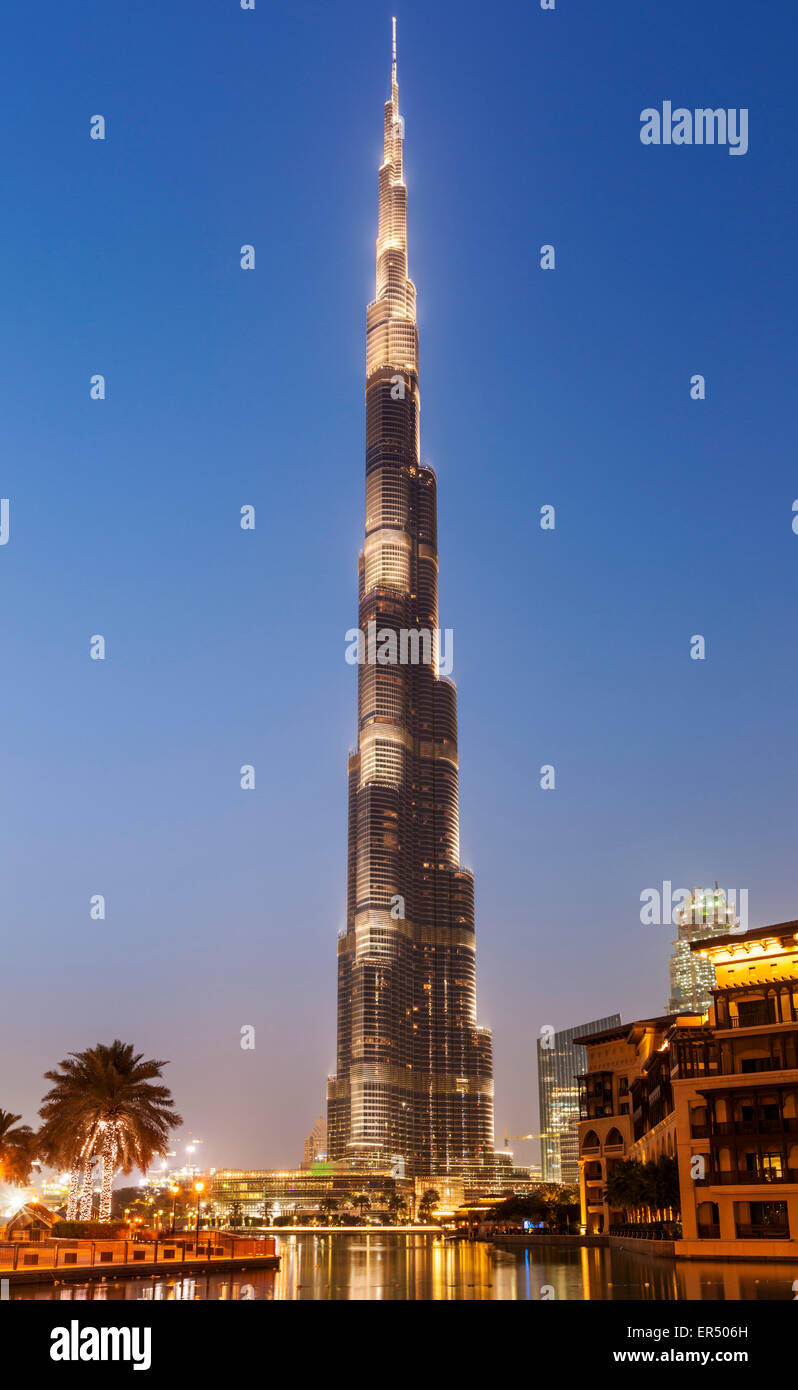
(626, 1185)
(667, 1196)
(345, 1201)
(564, 1206)
(363, 1203)
(103, 1104)
(17, 1148)
(396, 1205)
(235, 1214)
(429, 1200)
(328, 1205)
(654, 1186)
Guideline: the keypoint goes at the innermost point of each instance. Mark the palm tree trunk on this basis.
(87, 1194)
(72, 1196)
(109, 1168)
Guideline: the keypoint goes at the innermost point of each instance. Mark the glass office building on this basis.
(560, 1062)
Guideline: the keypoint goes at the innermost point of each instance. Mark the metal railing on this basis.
(649, 1230)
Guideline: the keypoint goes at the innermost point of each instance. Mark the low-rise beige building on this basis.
(736, 1101)
(719, 1093)
(617, 1058)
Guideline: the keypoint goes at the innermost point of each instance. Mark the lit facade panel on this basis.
(414, 1077)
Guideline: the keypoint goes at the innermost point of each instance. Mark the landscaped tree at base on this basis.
(625, 1188)
(17, 1149)
(235, 1214)
(397, 1206)
(563, 1206)
(104, 1105)
(328, 1206)
(667, 1194)
(650, 1187)
(556, 1204)
(426, 1206)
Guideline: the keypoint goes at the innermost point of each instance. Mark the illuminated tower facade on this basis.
(705, 914)
(414, 1081)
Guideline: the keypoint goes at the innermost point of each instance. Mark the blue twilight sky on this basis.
(227, 387)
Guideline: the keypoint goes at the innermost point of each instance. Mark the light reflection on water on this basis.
(383, 1267)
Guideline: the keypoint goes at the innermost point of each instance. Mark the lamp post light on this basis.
(174, 1191)
(199, 1188)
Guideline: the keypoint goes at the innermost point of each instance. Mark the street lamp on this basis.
(199, 1188)
(174, 1191)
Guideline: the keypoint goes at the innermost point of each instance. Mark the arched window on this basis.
(590, 1141)
(613, 1138)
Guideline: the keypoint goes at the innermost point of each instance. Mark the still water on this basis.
(383, 1266)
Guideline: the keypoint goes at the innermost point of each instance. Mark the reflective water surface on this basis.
(383, 1266)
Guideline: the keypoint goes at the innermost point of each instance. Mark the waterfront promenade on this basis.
(50, 1260)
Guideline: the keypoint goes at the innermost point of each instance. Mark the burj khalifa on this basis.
(413, 1088)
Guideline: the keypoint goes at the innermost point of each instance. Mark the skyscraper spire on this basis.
(394, 82)
(413, 1088)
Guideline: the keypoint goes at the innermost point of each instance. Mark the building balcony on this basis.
(688, 1072)
(769, 1027)
(756, 1018)
(709, 1232)
(763, 1126)
(743, 1177)
(734, 1067)
(761, 1232)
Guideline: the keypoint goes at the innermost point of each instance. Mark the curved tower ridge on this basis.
(413, 1088)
